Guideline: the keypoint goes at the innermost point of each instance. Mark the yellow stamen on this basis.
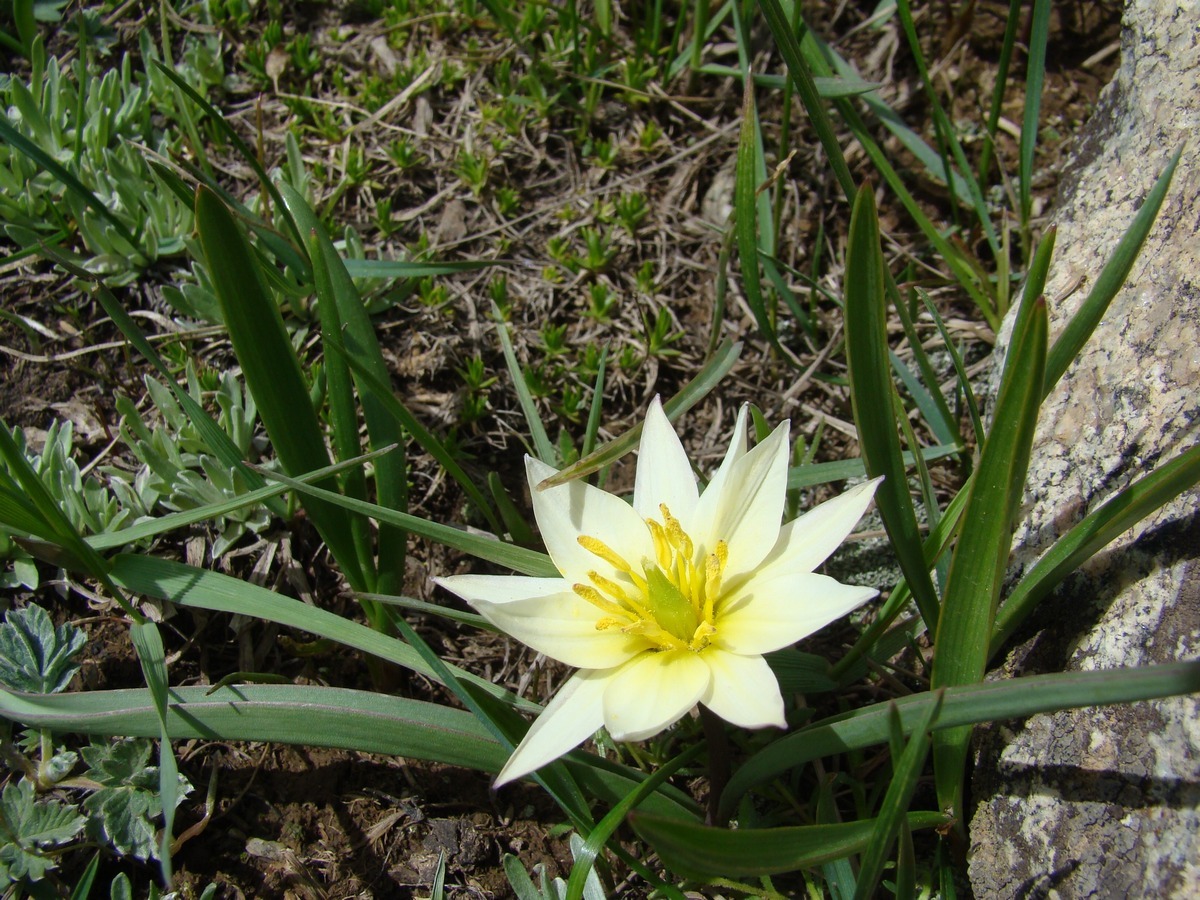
(607, 586)
(598, 548)
(598, 600)
(662, 547)
(714, 568)
(675, 533)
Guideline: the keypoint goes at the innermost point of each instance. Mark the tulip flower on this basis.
(670, 601)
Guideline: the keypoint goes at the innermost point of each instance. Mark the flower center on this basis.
(672, 601)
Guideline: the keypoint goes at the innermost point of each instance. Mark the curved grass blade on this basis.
(391, 404)
(400, 268)
(841, 469)
(1089, 536)
(1035, 76)
(802, 77)
(701, 851)
(189, 586)
(605, 828)
(344, 317)
(1016, 698)
(871, 393)
(1111, 279)
(288, 714)
(520, 559)
(542, 445)
(907, 767)
(272, 372)
(172, 521)
(981, 555)
(153, 658)
(248, 155)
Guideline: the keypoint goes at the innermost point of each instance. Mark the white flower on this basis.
(674, 600)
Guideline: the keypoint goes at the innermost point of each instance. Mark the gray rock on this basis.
(1106, 802)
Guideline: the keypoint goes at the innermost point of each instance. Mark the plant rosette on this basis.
(673, 600)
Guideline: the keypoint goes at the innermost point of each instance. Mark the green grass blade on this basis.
(701, 851)
(841, 469)
(543, 448)
(1014, 698)
(153, 658)
(399, 268)
(871, 393)
(981, 556)
(272, 370)
(1111, 279)
(188, 586)
(173, 521)
(615, 817)
(376, 388)
(312, 715)
(520, 559)
(960, 370)
(907, 768)
(716, 368)
(746, 217)
(802, 76)
(949, 137)
(1035, 79)
(243, 149)
(1012, 23)
(338, 300)
(1093, 533)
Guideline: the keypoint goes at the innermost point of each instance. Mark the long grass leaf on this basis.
(871, 393)
(1035, 78)
(188, 586)
(243, 149)
(981, 556)
(153, 658)
(906, 769)
(701, 851)
(520, 559)
(272, 370)
(1093, 533)
(1111, 279)
(312, 715)
(965, 705)
(350, 324)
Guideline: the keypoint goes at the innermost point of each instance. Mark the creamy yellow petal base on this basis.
(744, 691)
(652, 691)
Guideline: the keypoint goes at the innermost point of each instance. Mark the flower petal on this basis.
(567, 511)
(652, 691)
(664, 474)
(548, 616)
(808, 541)
(769, 613)
(574, 715)
(743, 505)
(744, 690)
